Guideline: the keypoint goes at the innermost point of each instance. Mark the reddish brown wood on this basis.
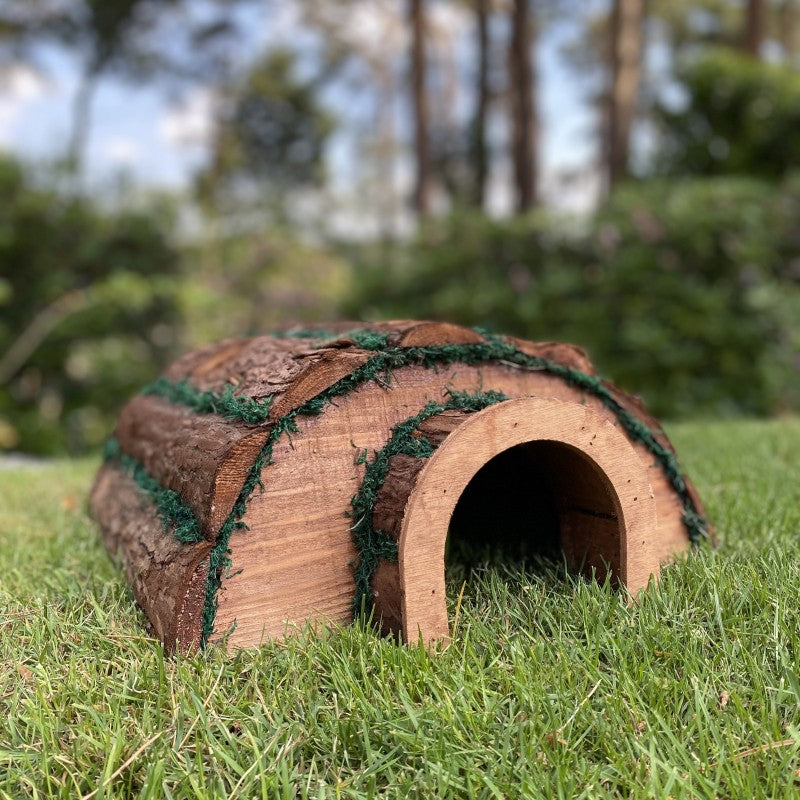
(293, 564)
(191, 454)
(388, 514)
(569, 355)
(597, 486)
(167, 577)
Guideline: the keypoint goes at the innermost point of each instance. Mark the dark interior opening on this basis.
(538, 500)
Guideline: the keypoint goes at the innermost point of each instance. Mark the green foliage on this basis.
(272, 134)
(696, 294)
(551, 686)
(742, 116)
(687, 292)
(246, 284)
(88, 308)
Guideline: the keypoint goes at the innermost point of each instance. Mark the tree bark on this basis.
(416, 14)
(627, 19)
(80, 121)
(480, 154)
(523, 112)
(294, 561)
(755, 18)
(167, 576)
(788, 29)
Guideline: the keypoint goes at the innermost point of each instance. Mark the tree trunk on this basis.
(81, 116)
(755, 18)
(627, 18)
(419, 94)
(480, 154)
(788, 29)
(523, 114)
(385, 150)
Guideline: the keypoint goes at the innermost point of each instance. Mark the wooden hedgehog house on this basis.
(308, 476)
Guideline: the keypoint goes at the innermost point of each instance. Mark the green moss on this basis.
(173, 511)
(379, 367)
(372, 544)
(226, 404)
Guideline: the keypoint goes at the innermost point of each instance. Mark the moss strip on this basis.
(373, 545)
(363, 337)
(380, 366)
(227, 404)
(172, 509)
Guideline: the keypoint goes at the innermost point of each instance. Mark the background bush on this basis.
(87, 300)
(686, 291)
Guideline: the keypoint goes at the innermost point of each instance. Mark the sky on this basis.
(160, 141)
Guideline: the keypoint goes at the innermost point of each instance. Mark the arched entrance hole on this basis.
(558, 463)
(540, 499)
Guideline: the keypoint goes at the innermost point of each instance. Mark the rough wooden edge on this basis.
(348, 356)
(202, 457)
(167, 576)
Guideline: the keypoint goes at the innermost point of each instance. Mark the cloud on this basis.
(122, 151)
(191, 123)
(20, 85)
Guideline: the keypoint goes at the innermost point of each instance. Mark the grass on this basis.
(553, 687)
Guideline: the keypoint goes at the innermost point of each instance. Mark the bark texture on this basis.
(523, 109)
(205, 459)
(191, 454)
(167, 577)
(627, 20)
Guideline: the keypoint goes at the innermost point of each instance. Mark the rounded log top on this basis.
(312, 475)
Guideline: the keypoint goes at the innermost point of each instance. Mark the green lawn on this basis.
(553, 687)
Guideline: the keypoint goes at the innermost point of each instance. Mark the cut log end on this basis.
(532, 476)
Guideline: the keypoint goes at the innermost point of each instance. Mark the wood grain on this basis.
(202, 457)
(294, 564)
(605, 485)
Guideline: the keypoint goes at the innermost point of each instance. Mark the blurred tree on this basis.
(686, 291)
(741, 116)
(626, 46)
(270, 277)
(479, 149)
(367, 64)
(524, 117)
(270, 135)
(786, 21)
(88, 313)
(132, 39)
(754, 27)
(618, 41)
(422, 184)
